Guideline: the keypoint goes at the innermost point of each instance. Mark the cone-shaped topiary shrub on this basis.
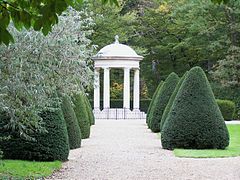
(89, 111)
(82, 115)
(195, 120)
(162, 99)
(48, 146)
(152, 101)
(170, 102)
(74, 132)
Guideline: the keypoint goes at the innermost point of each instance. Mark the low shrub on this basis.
(227, 108)
(82, 115)
(74, 132)
(230, 93)
(48, 146)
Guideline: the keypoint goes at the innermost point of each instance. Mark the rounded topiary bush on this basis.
(227, 108)
(82, 115)
(89, 111)
(74, 132)
(48, 146)
(171, 100)
(162, 99)
(152, 101)
(195, 120)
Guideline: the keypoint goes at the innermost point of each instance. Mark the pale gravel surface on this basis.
(126, 149)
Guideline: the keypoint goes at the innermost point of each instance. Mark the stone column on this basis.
(126, 90)
(136, 91)
(96, 89)
(106, 90)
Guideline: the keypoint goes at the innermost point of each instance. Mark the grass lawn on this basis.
(16, 169)
(232, 150)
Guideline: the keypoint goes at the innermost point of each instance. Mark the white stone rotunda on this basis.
(121, 56)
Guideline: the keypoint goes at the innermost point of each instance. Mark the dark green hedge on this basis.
(82, 115)
(74, 132)
(152, 101)
(227, 108)
(49, 146)
(230, 93)
(89, 111)
(170, 102)
(162, 99)
(195, 120)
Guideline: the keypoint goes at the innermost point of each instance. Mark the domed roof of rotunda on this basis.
(117, 49)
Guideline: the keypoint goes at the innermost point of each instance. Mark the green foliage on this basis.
(171, 100)
(49, 146)
(162, 99)
(80, 109)
(227, 108)
(220, 1)
(74, 132)
(152, 101)
(173, 36)
(40, 15)
(1, 155)
(17, 170)
(227, 70)
(195, 121)
(89, 111)
(35, 67)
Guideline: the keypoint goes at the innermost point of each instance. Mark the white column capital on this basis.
(106, 68)
(127, 68)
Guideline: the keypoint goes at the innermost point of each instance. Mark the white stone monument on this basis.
(117, 55)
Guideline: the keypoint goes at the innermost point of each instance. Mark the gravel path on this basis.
(128, 150)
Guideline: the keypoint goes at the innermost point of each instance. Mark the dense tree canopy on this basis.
(39, 14)
(172, 35)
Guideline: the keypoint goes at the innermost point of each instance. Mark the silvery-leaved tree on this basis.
(35, 67)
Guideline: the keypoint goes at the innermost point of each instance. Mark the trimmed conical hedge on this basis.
(152, 101)
(49, 146)
(80, 109)
(195, 120)
(89, 111)
(171, 100)
(162, 99)
(74, 132)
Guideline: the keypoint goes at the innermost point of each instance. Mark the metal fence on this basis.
(119, 113)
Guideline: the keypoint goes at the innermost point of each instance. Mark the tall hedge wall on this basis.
(195, 120)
